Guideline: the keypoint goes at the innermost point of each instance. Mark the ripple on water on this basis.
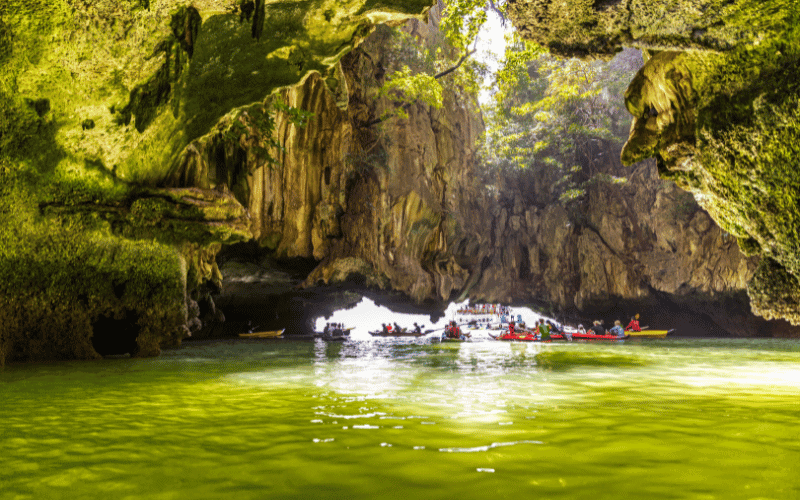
(597, 422)
(487, 447)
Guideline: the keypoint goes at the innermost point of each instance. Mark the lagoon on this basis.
(387, 418)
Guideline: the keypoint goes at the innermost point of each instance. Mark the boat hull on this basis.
(555, 336)
(392, 334)
(650, 334)
(263, 335)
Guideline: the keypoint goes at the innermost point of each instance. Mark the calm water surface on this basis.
(380, 419)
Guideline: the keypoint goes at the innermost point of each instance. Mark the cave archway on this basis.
(112, 336)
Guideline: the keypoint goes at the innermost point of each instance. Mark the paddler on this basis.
(597, 329)
(544, 331)
(617, 329)
(634, 324)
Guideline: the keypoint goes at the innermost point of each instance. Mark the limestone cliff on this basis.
(111, 215)
(716, 105)
(138, 137)
(406, 206)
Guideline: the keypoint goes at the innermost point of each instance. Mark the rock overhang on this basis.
(715, 103)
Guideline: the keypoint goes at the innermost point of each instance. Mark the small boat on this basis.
(530, 337)
(272, 334)
(394, 333)
(586, 336)
(331, 338)
(650, 334)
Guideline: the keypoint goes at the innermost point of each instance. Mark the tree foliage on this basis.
(557, 115)
(420, 70)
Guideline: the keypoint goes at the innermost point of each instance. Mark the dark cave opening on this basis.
(112, 336)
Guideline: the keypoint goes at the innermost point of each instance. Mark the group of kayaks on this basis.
(567, 336)
(453, 333)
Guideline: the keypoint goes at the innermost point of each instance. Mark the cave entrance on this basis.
(112, 336)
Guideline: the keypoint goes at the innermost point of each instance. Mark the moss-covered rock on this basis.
(722, 119)
(100, 104)
(70, 293)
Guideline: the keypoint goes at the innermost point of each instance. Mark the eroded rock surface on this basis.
(407, 207)
(115, 117)
(721, 119)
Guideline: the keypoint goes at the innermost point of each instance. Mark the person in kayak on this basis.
(544, 330)
(581, 329)
(597, 329)
(634, 324)
(617, 329)
(386, 328)
(417, 328)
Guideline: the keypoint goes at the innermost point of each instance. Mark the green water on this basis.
(278, 419)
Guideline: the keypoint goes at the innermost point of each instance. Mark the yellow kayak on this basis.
(263, 335)
(650, 334)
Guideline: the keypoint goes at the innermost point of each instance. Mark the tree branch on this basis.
(499, 13)
(457, 65)
(446, 72)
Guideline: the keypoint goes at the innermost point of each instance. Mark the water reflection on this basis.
(389, 418)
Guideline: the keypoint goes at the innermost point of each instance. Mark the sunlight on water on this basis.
(368, 316)
(377, 418)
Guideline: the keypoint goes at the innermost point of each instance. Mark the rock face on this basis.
(407, 207)
(138, 137)
(127, 130)
(721, 119)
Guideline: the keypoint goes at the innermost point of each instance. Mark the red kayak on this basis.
(586, 336)
(528, 337)
(516, 337)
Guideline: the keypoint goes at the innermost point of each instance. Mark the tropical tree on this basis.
(420, 72)
(559, 116)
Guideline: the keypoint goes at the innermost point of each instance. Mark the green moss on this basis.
(101, 99)
(726, 126)
(774, 293)
(57, 281)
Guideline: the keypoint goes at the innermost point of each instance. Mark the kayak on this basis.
(650, 334)
(554, 336)
(587, 336)
(331, 338)
(403, 333)
(515, 337)
(263, 335)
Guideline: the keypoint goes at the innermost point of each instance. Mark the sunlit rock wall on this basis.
(129, 128)
(716, 105)
(405, 205)
(374, 203)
